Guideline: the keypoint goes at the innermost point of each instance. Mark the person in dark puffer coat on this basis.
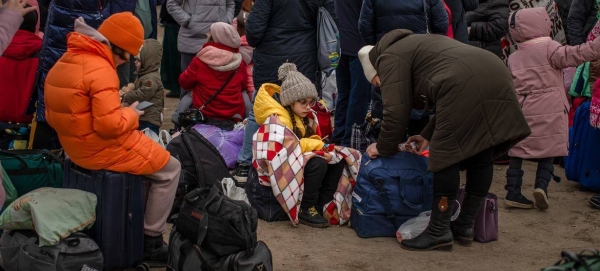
(459, 22)
(581, 20)
(563, 11)
(281, 32)
(377, 18)
(488, 24)
(61, 15)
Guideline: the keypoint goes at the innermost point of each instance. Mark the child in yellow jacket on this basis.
(296, 97)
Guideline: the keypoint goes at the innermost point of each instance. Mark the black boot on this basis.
(437, 235)
(462, 227)
(543, 176)
(514, 197)
(155, 249)
(312, 218)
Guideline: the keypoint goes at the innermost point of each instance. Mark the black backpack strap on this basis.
(387, 205)
(214, 196)
(185, 246)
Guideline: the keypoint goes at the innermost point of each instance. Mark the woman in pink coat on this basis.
(537, 72)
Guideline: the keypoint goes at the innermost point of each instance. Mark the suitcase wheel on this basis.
(143, 267)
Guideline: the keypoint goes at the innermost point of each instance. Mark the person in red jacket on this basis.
(18, 65)
(217, 62)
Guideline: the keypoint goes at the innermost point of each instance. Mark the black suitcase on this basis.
(119, 226)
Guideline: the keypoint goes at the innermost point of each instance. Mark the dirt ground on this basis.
(529, 239)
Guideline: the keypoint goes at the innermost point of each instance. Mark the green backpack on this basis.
(587, 260)
(9, 188)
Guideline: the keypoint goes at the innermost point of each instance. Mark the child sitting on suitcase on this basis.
(148, 86)
(537, 72)
(321, 176)
(84, 107)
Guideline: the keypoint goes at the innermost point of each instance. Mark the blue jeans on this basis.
(245, 156)
(145, 124)
(354, 95)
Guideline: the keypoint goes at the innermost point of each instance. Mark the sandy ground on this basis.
(529, 239)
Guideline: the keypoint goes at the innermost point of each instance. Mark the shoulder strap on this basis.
(387, 205)
(219, 91)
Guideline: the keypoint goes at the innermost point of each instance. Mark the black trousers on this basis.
(480, 172)
(320, 182)
(517, 163)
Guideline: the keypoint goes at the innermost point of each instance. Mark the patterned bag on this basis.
(365, 134)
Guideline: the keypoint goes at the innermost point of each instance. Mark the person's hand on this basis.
(376, 81)
(131, 86)
(134, 107)
(422, 144)
(18, 5)
(372, 151)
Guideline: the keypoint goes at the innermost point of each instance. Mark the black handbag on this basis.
(194, 116)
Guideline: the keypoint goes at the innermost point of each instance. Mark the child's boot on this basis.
(312, 218)
(543, 176)
(514, 197)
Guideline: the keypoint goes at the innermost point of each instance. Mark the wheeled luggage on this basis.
(582, 164)
(119, 226)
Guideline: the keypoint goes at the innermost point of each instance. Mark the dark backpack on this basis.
(218, 225)
(21, 251)
(202, 166)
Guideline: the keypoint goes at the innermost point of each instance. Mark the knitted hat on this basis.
(225, 34)
(125, 31)
(365, 60)
(295, 85)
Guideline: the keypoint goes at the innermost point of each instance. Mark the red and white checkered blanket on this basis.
(279, 163)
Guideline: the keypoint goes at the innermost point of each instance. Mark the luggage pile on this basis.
(44, 225)
(213, 232)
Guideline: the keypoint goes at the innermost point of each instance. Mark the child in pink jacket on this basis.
(537, 73)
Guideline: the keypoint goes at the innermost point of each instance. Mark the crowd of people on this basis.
(431, 70)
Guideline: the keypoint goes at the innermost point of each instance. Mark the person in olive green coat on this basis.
(476, 117)
(148, 86)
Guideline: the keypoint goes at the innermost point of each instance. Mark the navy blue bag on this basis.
(261, 198)
(119, 226)
(388, 192)
(584, 151)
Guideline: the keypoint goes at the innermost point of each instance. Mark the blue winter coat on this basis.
(378, 17)
(459, 22)
(60, 22)
(281, 32)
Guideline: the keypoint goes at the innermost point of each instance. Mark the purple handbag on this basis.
(486, 223)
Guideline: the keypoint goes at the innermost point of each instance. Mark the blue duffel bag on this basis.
(388, 192)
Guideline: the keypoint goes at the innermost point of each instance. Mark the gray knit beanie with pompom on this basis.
(295, 85)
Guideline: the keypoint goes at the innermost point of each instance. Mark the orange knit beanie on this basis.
(125, 31)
